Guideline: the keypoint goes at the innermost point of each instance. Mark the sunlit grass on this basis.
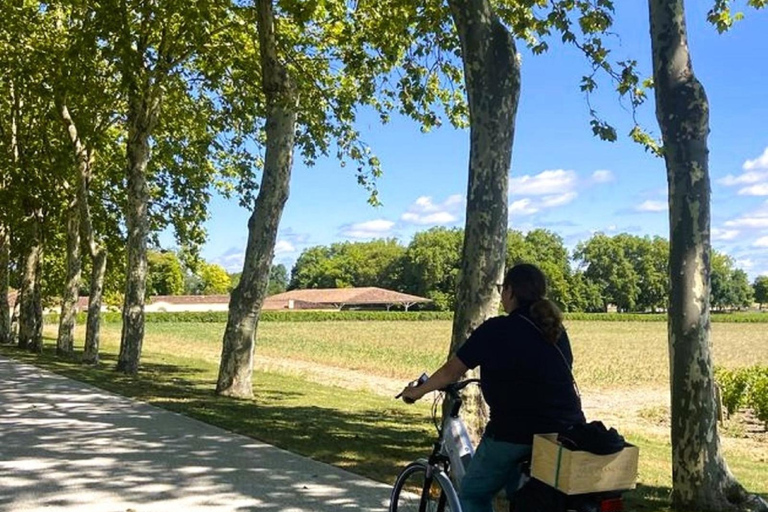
(607, 354)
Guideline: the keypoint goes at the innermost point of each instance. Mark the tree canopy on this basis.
(214, 280)
(760, 287)
(165, 274)
(624, 270)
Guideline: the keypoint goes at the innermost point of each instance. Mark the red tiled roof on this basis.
(270, 303)
(369, 295)
(316, 298)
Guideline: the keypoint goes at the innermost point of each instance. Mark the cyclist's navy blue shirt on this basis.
(525, 380)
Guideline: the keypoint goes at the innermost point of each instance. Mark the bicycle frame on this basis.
(455, 442)
(450, 457)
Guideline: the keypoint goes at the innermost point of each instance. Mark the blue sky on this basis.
(562, 178)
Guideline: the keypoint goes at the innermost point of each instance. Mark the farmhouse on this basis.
(323, 298)
(342, 298)
(173, 303)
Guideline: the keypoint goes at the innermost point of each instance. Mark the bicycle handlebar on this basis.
(452, 389)
(415, 383)
(458, 386)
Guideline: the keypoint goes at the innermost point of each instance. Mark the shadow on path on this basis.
(68, 446)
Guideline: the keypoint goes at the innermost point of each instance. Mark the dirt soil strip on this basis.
(638, 410)
(619, 407)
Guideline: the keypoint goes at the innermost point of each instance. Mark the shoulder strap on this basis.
(565, 360)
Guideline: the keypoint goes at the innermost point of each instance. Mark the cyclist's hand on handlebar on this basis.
(410, 394)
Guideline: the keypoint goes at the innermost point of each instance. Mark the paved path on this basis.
(67, 446)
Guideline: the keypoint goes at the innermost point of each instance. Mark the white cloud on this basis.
(284, 246)
(760, 162)
(430, 218)
(760, 189)
(761, 242)
(559, 200)
(746, 178)
(424, 211)
(529, 206)
(755, 175)
(724, 234)
(293, 237)
(756, 219)
(651, 206)
(232, 259)
(748, 222)
(368, 229)
(602, 176)
(425, 203)
(744, 263)
(522, 207)
(545, 183)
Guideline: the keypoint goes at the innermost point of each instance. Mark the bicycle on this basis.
(439, 476)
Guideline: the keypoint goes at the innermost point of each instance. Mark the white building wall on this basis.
(166, 307)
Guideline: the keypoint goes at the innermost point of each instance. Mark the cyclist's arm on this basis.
(449, 373)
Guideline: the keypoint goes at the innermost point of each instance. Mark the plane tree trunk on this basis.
(143, 111)
(492, 77)
(65, 340)
(31, 310)
(6, 335)
(236, 366)
(93, 322)
(97, 251)
(701, 479)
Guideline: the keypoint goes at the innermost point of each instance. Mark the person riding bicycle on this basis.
(525, 364)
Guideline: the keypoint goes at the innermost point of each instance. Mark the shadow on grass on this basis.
(654, 498)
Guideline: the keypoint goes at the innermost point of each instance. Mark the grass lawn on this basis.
(374, 435)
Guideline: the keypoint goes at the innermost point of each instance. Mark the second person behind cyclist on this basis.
(525, 362)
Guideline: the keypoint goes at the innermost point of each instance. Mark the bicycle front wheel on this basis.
(420, 488)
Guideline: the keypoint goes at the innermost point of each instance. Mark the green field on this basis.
(607, 354)
(370, 433)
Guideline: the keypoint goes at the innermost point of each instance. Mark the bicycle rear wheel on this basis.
(422, 489)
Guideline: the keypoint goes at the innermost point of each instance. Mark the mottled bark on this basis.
(701, 479)
(6, 335)
(236, 367)
(93, 324)
(65, 340)
(142, 116)
(492, 76)
(31, 310)
(6, 318)
(15, 318)
(96, 251)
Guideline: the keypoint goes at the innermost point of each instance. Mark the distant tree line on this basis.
(624, 270)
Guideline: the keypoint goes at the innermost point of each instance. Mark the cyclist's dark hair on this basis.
(529, 285)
